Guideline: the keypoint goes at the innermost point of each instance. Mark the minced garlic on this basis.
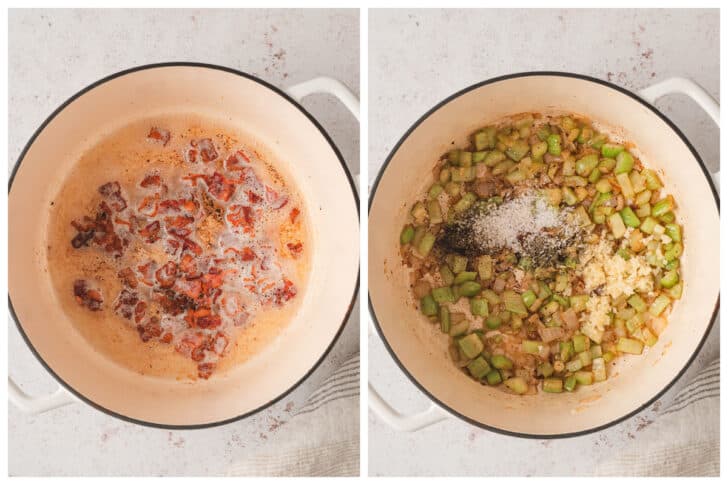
(616, 276)
(596, 317)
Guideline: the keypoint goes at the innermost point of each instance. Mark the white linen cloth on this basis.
(687, 440)
(326, 431)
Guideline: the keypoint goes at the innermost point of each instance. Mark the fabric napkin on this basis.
(326, 429)
(687, 440)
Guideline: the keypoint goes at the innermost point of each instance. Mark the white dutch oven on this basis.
(272, 117)
(419, 348)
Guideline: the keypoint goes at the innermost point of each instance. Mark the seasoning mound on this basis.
(525, 224)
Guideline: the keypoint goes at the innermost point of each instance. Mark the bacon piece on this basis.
(246, 254)
(204, 370)
(214, 279)
(241, 216)
(294, 215)
(295, 249)
(275, 199)
(188, 265)
(126, 303)
(128, 278)
(178, 221)
(151, 329)
(139, 310)
(167, 338)
(171, 302)
(150, 232)
(187, 244)
(188, 342)
(82, 238)
(209, 321)
(89, 297)
(149, 205)
(219, 187)
(111, 191)
(177, 205)
(151, 180)
(171, 246)
(190, 288)
(219, 343)
(236, 161)
(167, 274)
(285, 293)
(159, 134)
(253, 197)
(201, 149)
(147, 272)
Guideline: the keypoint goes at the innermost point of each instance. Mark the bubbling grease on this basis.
(247, 233)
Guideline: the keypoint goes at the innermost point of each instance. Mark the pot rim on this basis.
(323, 133)
(506, 77)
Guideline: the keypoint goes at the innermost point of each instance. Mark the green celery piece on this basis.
(479, 367)
(470, 345)
(408, 232)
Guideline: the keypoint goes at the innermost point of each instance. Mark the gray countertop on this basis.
(55, 53)
(416, 59)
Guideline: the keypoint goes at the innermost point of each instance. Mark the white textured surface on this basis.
(52, 55)
(416, 59)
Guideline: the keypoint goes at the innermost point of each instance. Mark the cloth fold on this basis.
(323, 434)
(684, 441)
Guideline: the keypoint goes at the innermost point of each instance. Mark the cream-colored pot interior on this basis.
(317, 172)
(420, 347)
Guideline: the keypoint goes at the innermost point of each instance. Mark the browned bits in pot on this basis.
(89, 297)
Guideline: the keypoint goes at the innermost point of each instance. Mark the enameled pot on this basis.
(272, 117)
(421, 350)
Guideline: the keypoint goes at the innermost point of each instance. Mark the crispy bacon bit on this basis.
(167, 338)
(150, 232)
(167, 274)
(190, 288)
(178, 221)
(128, 278)
(188, 342)
(213, 279)
(111, 191)
(147, 272)
(295, 249)
(253, 197)
(151, 329)
(285, 293)
(139, 310)
(246, 254)
(159, 134)
(204, 370)
(187, 244)
(151, 180)
(241, 216)
(205, 148)
(219, 343)
(236, 160)
(171, 246)
(275, 199)
(126, 303)
(173, 303)
(176, 205)
(219, 187)
(82, 238)
(88, 297)
(294, 214)
(188, 265)
(149, 205)
(209, 321)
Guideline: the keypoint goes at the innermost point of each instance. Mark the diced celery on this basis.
(479, 367)
(452, 189)
(407, 234)
(458, 263)
(469, 288)
(604, 187)
(494, 157)
(625, 162)
(673, 251)
(428, 306)
(528, 297)
(466, 159)
(629, 217)
(485, 267)
(434, 191)
(676, 291)
(625, 184)
(513, 303)
(457, 329)
(465, 202)
(566, 350)
(629, 346)
(599, 369)
(636, 302)
(586, 164)
(518, 150)
(611, 150)
(584, 377)
(616, 225)
(500, 361)
(554, 144)
(578, 302)
(673, 230)
(494, 378)
(419, 212)
(606, 165)
(581, 343)
(443, 294)
(553, 384)
(491, 296)
(517, 385)
(531, 346)
(479, 307)
(446, 275)
(493, 321)
(538, 150)
(585, 358)
(659, 305)
(453, 156)
(574, 365)
(464, 276)
(663, 206)
(652, 180)
(470, 345)
(444, 319)
(545, 369)
(434, 211)
(570, 383)
(569, 196)
(426, 244)
(669, 279)
(648, 225)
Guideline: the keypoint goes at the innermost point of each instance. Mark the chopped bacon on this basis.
(204, 147)
(176, 205)
(219, 343)
(139, 311)
(188, 265)
(99, 230)
(213, 279)
(285, 293)
(253, 197)
(295, 249)
(167, 338)
(178, 221)
(167, 274)
(190, 288)
(111, 191)
(159, 134)
(275, 199)
(171, 246)
(187, 244)
(128, 278)
(219, 187)
(209, 321)
(151, 329)
(241, 216)
(150, 232)
(147, 272)
(173, 303)
(151, 180)
(188, 342)
(246, 254)
(88, 297)
(82, 238)
(204, 370)
(236, 160)
(126, 303)
(149, 205)
(294, 215)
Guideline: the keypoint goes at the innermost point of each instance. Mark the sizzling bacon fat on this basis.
(194, 298)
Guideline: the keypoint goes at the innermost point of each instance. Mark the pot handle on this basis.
(695, 92)
(329, 86)
(403, 422)
(39, 404)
